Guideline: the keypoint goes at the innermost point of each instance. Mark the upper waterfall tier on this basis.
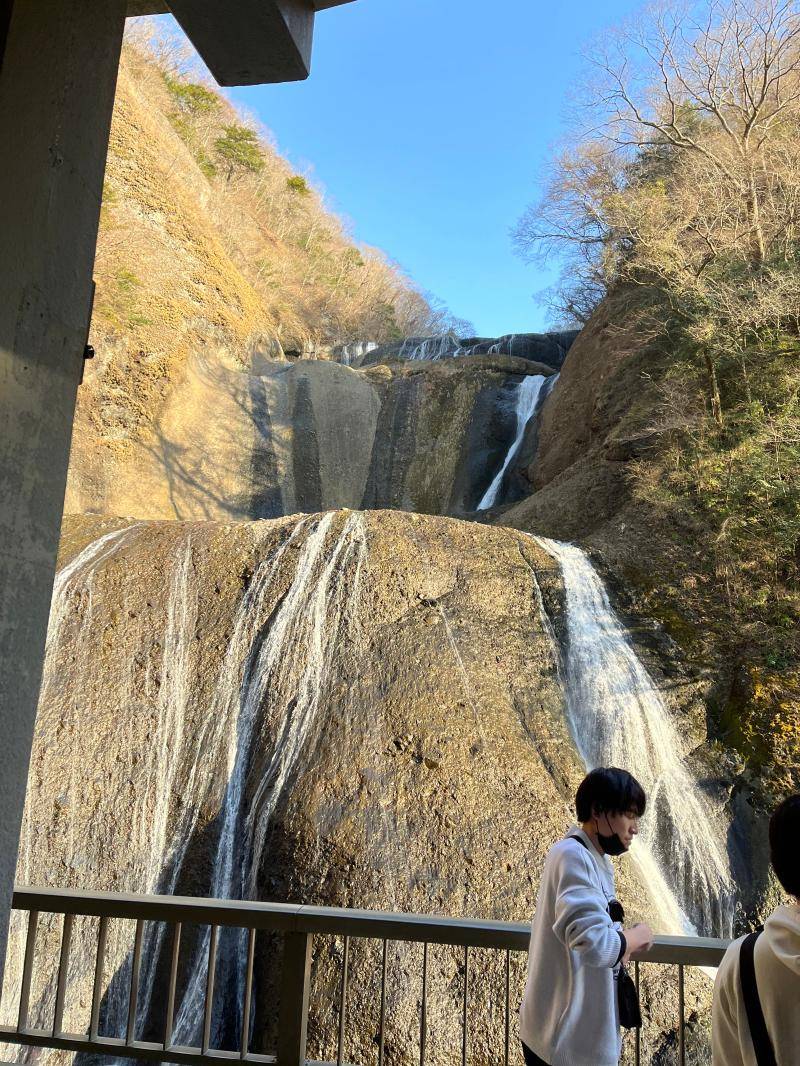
(547, 348)
(429, 437)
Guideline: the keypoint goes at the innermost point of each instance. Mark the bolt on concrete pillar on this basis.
(57, 82)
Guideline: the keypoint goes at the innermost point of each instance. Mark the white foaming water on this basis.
(270, 686)
(526, 400)
(349, 353)
(430, 348)
(72, 606)
(617, 718)
(272, 683)
(504, 342)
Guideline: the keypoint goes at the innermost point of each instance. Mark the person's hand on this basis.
(638, 938)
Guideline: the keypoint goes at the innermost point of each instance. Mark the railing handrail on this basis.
(302, 918)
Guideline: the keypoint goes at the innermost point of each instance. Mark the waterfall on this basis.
(300, 604)
(525, 404)
(73, 582)
(72, 604)
(617, 718)
(269, 683)
(349, 354)
(428, 348)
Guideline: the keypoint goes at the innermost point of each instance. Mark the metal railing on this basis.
(298, 925)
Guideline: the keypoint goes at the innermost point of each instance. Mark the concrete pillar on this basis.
(57, 83)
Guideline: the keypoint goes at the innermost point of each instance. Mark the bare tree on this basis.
(679, 77)
(687, 180)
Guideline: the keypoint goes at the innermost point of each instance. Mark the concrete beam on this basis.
(246, 42)
(251, 41)
(57, 83)
(160, 7)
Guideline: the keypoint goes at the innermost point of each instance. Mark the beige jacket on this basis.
(777, 965)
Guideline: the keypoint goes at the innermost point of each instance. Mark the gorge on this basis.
(347, 604)
(360, 705)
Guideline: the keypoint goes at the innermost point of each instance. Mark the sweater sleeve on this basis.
(725, 1041)
(582, 922)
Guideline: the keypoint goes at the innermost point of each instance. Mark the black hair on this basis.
(610, 790)
(784, 844)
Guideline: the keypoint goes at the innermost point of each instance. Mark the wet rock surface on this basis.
(406, 748)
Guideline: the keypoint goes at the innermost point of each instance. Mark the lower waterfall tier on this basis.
(350, 708)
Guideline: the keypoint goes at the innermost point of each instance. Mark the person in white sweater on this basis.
(569, 1014)
(775, 966)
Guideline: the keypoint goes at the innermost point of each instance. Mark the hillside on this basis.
(210, 247)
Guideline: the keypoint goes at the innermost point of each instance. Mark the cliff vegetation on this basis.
(676, 203)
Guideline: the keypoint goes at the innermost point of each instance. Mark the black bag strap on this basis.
(581, 841)
(765, 1055)
(595, 874)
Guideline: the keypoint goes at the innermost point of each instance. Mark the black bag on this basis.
(630, 1014)
(762, 1045)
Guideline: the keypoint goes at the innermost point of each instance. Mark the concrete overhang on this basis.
(246, 42)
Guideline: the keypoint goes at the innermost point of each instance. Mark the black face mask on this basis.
(611, 845)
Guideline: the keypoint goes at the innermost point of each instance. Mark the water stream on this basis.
(526, 402)
(271, 683)
(429, 348)
(617, 718)
(352, 354)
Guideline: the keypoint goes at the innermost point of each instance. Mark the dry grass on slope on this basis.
(209, 246)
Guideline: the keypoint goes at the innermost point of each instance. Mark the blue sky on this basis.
(427, 123)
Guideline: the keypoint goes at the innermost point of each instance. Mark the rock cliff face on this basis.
(305, 436)
(362, 707)
(598, 421)
(357, 709)
(595, 420)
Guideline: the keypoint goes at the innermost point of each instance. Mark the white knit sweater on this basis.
(569, 1014)
(777, 965)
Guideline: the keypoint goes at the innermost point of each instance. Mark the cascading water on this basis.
(74, 595)
(617, 717)
(429, 349)
(349, 354)
(269, 688)
(268, 682)
(526, 401)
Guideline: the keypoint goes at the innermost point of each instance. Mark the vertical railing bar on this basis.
(466, 1008)
(248, 992)
(136, 966)
(423, 1021)
(343, 1001)
(97, 989)
(382, 1026)
(27, 971)
(681, 1012)
(293, 998)
(508, 1005)
(63, 971)
(173, 980)
(638, 1041)
(209, 1004)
